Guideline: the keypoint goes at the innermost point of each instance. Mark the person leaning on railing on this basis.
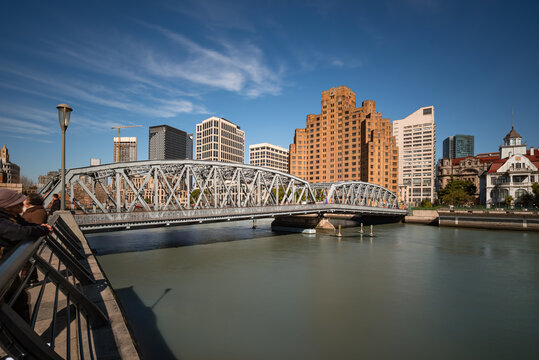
(34, 213)
(13, 230)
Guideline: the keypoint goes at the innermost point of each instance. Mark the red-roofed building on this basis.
(511, 174)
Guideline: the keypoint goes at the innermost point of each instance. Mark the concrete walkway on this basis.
(111, 341)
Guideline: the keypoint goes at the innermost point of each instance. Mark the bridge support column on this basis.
(324, 224)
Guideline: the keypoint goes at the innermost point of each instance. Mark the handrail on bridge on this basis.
(59, 320)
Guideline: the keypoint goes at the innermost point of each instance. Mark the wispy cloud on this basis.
(229, 66)
(31, 138)
(39, 115)
(98, 94)
(12, 125)
(345, 63)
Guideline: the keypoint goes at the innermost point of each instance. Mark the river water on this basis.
(227, 291)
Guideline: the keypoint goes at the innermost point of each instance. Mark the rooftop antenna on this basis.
(512, 118)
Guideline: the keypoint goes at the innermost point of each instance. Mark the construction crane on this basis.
(121, 127)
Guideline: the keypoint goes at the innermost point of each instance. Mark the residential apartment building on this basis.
(268, 155)
(127, 147)
(218, 139)
(416, 139)
(458, 146)
(169, 143)
(345, 142)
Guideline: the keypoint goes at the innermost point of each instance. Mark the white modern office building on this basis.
(269, 155)
(416, 139)
(218, 139)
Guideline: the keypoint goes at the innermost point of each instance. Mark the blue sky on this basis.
(261, 65)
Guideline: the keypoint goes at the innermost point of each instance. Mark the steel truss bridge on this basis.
(167, 192)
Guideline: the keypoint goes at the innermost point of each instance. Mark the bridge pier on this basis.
(328, 222)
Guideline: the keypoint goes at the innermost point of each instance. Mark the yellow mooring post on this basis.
(371, 231)
(361, 231)
(339, 233)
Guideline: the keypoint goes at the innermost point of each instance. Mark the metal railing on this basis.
(58, 321)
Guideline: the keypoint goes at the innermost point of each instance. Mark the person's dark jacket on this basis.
(15, 229)
(35, 215)
(55, 205)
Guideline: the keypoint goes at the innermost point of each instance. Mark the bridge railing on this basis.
(58, 321)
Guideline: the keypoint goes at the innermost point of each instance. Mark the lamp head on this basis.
(64, 114)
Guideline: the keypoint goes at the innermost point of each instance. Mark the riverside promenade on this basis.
(481, 219)
(71, 318)
(114, 340)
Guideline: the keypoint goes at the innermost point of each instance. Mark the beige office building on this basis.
(218, 139)
(268, 155)
(345, 143)
(127, 147)
(416, 140)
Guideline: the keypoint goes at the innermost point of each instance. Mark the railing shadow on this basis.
(143, 324)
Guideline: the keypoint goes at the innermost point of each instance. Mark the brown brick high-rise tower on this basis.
(345, 142)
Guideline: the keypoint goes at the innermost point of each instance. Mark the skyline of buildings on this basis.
(341, 143)
(345, 142)
(416, 139)
(269, 155)
(127, 147)
(218, 139)
(458, 146)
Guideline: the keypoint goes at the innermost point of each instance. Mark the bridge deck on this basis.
(142, 219)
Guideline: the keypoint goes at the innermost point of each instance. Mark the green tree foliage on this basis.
(281, 193)
(508, 200)
(526, 200)
(457, 192)
(535, 190)
(530, 199)
(194, 196)
(426, 203)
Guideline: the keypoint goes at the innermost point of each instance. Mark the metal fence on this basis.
(44, 313)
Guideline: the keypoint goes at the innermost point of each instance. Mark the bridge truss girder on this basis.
(355, 193)
(180, 185)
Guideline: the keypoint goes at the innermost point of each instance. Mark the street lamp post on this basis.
(64, 113)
